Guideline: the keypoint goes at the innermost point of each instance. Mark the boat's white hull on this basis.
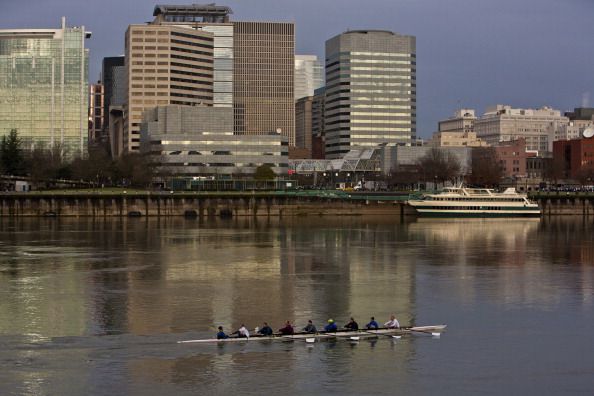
(462, 202)
(324, 336)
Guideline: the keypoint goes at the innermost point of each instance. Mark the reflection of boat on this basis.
(475, 202)
(347, 334)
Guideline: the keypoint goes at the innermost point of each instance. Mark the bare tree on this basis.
(586, 175)
(439, 165)
(404, 177)
(486, 171)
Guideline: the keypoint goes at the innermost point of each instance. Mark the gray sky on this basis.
(470, 53)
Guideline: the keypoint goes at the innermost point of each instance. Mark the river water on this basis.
(97, 307)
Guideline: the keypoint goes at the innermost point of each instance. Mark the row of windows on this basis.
(229, 142)
(192, 44)
(226, 152)
(485, 199)
(190, 66)
(192, 36)
(179, 95)
(189, 51)
(186, 80)
(224, 164)
(193, 89)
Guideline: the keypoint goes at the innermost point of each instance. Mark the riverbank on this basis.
(138, 203)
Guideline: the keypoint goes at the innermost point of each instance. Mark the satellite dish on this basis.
(588, 132)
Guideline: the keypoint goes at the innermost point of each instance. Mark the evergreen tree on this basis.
(11, 154)
(264, 172)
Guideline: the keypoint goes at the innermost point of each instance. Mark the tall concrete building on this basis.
(502, 123)
(309, 75)
(264, 68)
(44, 87)
(370, 90)
(193, 55)
(166, 64)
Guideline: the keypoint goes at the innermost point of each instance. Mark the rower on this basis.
(330, 327)
(372, 325)
(221, 334)
(288, 329)
(242, 332)
(392, 323)
(265, 330)
(310, 328)
(352, 325)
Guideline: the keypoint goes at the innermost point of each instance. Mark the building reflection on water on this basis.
(157, 277)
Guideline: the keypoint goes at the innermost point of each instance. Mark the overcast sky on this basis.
(470, 53)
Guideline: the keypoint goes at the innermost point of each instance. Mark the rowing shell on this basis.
(435, 330)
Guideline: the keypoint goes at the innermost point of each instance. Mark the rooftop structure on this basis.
(204, 13)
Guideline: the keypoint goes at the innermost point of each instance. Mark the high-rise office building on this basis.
(113, 80)
(213, 19)
(166, 64)
(303, 124)
(370, 91)
(264, 67)
(193, 54)
(309, 75)
(44, 86)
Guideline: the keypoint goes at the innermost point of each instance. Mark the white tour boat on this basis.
(475, 202)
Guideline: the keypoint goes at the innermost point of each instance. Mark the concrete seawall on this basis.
(235, 204)
(562, 205)
(223, 205)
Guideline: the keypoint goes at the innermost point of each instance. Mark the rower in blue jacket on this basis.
(221, 334)
(372, 325)
(330, 327)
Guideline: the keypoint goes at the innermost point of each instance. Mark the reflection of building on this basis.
(502, 123)
(309, 75)
(199, 141)
(370, 91)
(44, 86)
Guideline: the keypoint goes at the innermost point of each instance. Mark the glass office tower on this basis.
(43, 87)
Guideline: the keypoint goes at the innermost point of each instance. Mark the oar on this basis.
(397, 337)
(412, 329)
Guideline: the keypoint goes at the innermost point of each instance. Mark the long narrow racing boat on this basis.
(308, 337)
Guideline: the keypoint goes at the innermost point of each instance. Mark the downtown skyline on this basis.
(470, 53)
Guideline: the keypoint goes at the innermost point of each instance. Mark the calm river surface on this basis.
(97, 307)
